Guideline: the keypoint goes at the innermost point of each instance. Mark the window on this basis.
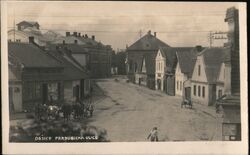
(224, 73)
(135, 67)
(203, 91)
(194, 90)
(219, 93)
(53, 92)
(177, 85)
(199, 70)
(199, 90)
(31, 91)
(180, 85)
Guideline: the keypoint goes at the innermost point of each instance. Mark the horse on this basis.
(186, 102)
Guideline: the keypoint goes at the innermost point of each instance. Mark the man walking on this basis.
(153, 135)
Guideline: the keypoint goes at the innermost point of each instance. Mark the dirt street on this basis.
(128, 112)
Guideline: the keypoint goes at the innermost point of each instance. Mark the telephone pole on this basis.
(217, 35)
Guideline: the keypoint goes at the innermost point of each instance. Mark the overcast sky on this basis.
(120, 23)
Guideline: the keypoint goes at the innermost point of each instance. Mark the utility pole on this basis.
(217, 35)
(210, 38)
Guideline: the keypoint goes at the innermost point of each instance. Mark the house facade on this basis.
(39, 76)
(143, 50)
(205, 74)
(91, 54)
(185, 64)
(32, 81)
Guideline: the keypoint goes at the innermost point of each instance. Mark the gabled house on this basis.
(205, 74)
(24, 24)
(91, 54)
(166, 61)
(31, 29)
(76, 78)
(34, 77)
(185, 63)
(145, 48)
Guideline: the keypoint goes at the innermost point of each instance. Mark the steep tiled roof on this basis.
(147, 42)
(31, 56)
(213, 58)
(72, 70)
(170, 54)
(76, 48)
(186, 58)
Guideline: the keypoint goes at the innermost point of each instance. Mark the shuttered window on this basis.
(203, 91)
(199, 90)
(194, 90)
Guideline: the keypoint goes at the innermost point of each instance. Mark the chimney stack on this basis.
(86, 36)
(75, 34)
(155, 34)
(149, 32)
(67, 34)
(93, 37)
(31, 39)
(79, 34)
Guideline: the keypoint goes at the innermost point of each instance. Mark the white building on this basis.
(205, 75)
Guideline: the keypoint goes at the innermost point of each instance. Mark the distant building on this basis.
(144, 51)
(173, 66)
(205, 75)
(165, 70)
(120, 59)
(31, 29)
(24, 24)
(185, 64)
(91, 54)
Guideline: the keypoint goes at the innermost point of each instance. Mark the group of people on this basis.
(78, 109)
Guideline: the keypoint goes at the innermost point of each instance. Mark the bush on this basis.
(30, 131)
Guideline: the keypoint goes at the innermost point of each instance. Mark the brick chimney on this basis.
(67, 34)
(155, 34)
(79, 34)
(93, 37)
(86, 36)
(149, 32)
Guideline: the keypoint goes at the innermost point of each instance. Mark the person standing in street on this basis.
(153, 135)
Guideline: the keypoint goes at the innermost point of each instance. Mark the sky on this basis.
(122, 23)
